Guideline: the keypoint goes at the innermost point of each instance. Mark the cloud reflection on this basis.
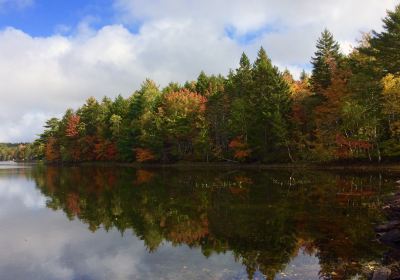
(38, 243)
(19, 191)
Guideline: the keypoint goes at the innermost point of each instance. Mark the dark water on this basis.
(126, 223)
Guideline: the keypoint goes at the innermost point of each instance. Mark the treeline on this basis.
(18, 152)
(348, 108)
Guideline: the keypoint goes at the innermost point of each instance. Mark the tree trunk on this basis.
(289, 153)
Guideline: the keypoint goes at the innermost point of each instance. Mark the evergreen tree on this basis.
(240, 90)
(348, 108)
(326, 55)
(303, 76)
(172, 87)
(217, 115)
(202, 83)
(270, 102)
(385, 46)
(243, 77)
(141, 106)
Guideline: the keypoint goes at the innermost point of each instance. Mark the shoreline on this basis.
(355, 167)
(393, 167)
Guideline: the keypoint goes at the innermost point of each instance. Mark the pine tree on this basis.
(385, 46)
(202, 83)
(243, 77)
(241, 90)
(327, 54)
(270, 100)
(303, 76)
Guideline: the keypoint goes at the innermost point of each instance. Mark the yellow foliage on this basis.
(391, 94)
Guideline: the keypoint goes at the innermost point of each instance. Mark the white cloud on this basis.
(292, 27)
(44, 76)
(176, 39)
(342, 16)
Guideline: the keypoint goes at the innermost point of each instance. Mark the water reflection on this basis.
(188, 224)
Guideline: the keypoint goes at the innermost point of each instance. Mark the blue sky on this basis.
(46, 17)
(54, 54)
(41, 18)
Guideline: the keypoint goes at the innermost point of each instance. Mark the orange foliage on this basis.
(105, 150)
(328, 112)
(88, 148)
(52, 151)
(241, 192)
(51, 175)
(191, 101)
(240, 148)
(237, 143)
(72, 126)
(75, 152)
(298, 114)
(143, 155)
(73, 203)
(346, 146)
(143, 176)
(243, 180)
(301, 90)
(190, 231)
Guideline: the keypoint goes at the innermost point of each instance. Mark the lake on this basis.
(188, 223)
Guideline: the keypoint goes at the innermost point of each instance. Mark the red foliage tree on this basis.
(72, 126)
(52, 151)
(240, 148)
(347, 146)
(143, 155)
(105, 150)
(88, 148)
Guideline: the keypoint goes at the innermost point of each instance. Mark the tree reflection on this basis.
(264, 218)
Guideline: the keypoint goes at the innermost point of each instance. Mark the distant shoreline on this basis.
(352, 166)
(363, 167)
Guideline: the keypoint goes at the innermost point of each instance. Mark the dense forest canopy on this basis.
(349, 108)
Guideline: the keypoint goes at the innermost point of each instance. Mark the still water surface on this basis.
(126, 223)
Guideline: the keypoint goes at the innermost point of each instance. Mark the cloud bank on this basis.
(163, 40)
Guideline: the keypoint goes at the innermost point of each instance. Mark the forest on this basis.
(347, 108)
(17, 152)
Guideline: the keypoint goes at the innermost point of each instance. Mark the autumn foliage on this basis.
(186, 101)
(52, 152)
(105, 150)
(144, 155)
(143, 176)
(347, 147)
(348, 108)
(72, 126)
(73, 203)
(240, 148)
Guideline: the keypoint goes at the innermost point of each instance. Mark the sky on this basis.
(54, 54)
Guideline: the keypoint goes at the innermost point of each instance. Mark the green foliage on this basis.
(347, 109)
(326, 54)
(385, 46)
(20, 152)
